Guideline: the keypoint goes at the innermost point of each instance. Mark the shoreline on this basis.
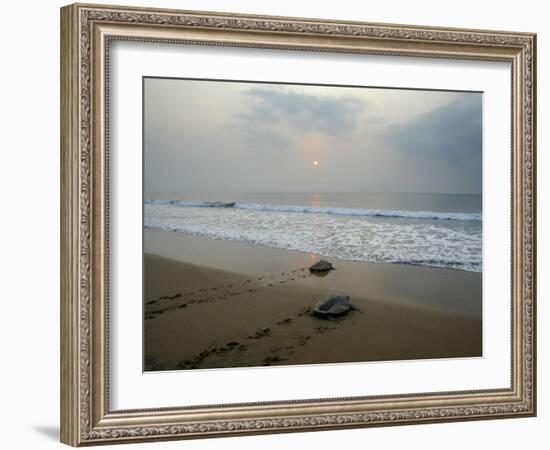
(149, 230)
(397, 283)
(215, 304)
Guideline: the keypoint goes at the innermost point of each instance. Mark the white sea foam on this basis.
(324, 210)
(389, 238)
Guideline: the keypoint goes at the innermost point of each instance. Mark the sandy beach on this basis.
(219, 304)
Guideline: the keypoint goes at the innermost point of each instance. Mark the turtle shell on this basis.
(334, 305)
(321, 266)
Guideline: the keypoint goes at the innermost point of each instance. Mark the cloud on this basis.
(217, 136)
(335, 116)
(451, 132)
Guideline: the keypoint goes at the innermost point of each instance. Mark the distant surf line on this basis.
(430, 215)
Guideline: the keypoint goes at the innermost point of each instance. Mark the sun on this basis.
(315, 163)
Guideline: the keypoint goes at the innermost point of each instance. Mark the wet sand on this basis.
(218, 304)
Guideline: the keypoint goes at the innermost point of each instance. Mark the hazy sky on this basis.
(207, 136)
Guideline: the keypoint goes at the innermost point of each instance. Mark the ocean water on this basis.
(437, 230)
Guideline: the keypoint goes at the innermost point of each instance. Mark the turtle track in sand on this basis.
(249, 349)
(180, 300)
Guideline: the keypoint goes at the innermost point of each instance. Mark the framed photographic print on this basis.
(276, 224)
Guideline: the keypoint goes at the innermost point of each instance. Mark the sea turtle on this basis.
(333, 306)
(321, 266)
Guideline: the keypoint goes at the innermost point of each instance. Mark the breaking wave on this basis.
(325, 210)
(451, 240)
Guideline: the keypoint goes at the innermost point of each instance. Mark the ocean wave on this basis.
(431, 215)
(435, 243)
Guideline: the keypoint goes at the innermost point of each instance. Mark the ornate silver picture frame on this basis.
(87, 34)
